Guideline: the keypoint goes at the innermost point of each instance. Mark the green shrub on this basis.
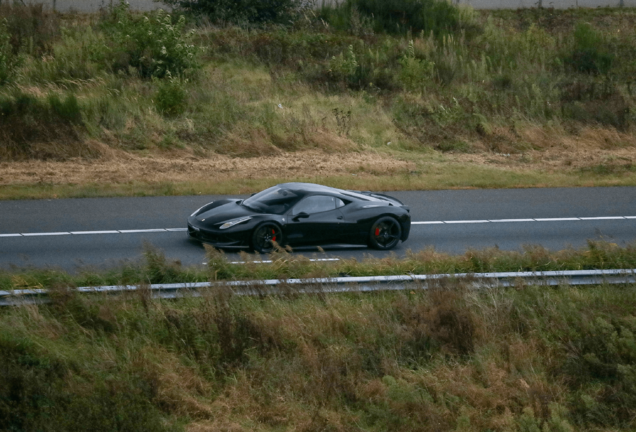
(152, 44)
(589, 54)
(345, 65)
(243, 11)
(363, 67)
(9, 60)
(414, 72)
(400, 16)
(171, 97)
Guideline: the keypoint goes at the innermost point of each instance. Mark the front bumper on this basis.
(218, 239)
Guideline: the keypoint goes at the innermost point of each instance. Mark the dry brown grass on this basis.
(551, 157)
(554, 150)
(181, 167)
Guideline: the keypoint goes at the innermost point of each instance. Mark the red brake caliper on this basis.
(377, 232)
(274, 237)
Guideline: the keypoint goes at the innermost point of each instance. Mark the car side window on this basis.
(339, 203)
(315, 204)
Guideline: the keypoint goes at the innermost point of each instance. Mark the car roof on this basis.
(312, 188)
(308, 187)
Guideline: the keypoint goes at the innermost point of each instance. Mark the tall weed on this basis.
(33, 29)
(25, 119)
(171, 96)
(415, 72)
(79, 56)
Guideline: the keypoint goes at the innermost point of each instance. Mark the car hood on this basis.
(223, 213)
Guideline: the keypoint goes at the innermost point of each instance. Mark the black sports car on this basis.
(302, 214)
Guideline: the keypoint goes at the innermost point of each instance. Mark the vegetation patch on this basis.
(532, 358)
(155, 268)
(421, 83)
(519, 359)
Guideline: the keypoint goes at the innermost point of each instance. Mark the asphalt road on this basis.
(36, 233)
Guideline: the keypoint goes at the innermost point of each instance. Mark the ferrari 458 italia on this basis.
(302, 214)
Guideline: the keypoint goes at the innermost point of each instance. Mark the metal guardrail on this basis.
(344, 284)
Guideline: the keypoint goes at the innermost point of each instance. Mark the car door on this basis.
(315, 220)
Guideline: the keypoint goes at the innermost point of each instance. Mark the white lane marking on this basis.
(143, 231)
(511, 220)
(45, 234)
(270, 261)
(466, 221)
(157, 230)
(524, 220)
(93, 232)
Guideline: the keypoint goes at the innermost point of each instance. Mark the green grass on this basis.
(155, 268)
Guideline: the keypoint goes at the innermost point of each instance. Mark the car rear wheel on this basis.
(385, 233)
(264, 237)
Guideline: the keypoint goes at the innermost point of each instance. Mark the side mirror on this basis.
(301, 215)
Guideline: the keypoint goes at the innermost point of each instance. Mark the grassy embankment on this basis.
(449, 359)
(493, 99)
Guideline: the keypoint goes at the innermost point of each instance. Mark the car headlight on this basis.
(233, 222)
(199, 209)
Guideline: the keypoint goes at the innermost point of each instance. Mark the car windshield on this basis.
(273, 200)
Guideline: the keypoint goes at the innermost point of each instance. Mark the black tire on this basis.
(385, 233)
(264, 236)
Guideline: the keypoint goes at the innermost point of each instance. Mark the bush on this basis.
(589, 54)
(243, 11)
(171, 97)
(400, 16)
(151, 44)
(414, 72)
(8, 59)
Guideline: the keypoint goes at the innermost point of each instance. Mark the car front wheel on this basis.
(385, 233)
(265, 236)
